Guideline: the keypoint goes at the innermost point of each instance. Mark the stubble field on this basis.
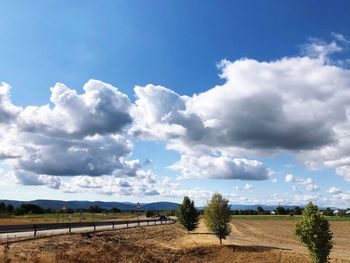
(250, 241)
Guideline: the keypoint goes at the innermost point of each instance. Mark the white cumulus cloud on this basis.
(221, 167)
(307, 183)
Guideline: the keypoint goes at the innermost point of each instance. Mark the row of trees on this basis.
(280, 210)
(22, 209)
(312, 229)
(35, 209)
(6, 209)
(216, 216)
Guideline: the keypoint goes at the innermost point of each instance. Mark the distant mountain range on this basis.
(58, 204)
(254, 207)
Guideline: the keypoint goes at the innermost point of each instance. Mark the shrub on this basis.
(95, 209)
(328, 212)
(314, 232)
(149, 213)
(217, 216)
(28, 209)
(297, 210)
(187, 214)
(281, 210)
(115, 210)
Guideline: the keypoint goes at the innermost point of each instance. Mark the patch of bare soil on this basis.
(167, 243)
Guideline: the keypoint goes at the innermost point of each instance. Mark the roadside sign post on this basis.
(64, 209)
(138, 206)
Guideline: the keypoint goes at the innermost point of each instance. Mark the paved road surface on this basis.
(74, 230)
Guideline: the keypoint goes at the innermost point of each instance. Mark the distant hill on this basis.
(160, 206)
(58, 204)
(254, 207)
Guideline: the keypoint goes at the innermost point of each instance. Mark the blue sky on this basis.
(177, 45)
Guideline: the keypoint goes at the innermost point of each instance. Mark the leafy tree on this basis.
(170, 213)
(19, 211)
(28, 209)
(149, 213)
(297, 210)
(95, 209)
(32, 208)
(281, 210)
(341, 213)
(328, 212)
(115, 210)
(2, 208)
(10, 208)
(260, 210)
(314, 232)
(217, 216)
(187, 214)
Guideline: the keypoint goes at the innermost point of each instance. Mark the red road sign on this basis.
(138, 206)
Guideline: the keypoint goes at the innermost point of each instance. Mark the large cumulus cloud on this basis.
(221, 167)
(8, 111)
(79, 135)
(291, 104)
(93, 155)
(299, 105)
(101, 109)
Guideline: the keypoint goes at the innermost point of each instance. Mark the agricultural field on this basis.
(250, 241)
(279, 234)
(284, 217)
(61, 218)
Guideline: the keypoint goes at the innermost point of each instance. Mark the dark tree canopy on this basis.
(95, 209)
(149, 213)
(187, 214)
(328, 212)
(281, 210)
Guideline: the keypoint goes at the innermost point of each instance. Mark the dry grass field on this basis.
(251, 241)
(54, 218)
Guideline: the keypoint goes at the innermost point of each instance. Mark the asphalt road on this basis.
(74, 230)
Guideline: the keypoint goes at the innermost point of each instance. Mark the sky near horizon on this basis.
(148, 101)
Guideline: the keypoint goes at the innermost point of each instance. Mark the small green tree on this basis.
(260, 210)
(217, 216)
(281, 210)
(314, 232)
(187, 214)
(149, 213)
(297, 210)
(115, 210)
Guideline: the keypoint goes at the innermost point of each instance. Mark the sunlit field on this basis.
(284, 217)
(64, 218)
(262, 241)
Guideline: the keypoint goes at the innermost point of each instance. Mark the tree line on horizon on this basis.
(311, 228)
(28, 208)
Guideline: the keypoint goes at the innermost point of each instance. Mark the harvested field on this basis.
(250, 242)
(61, 218)
(279, 234)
